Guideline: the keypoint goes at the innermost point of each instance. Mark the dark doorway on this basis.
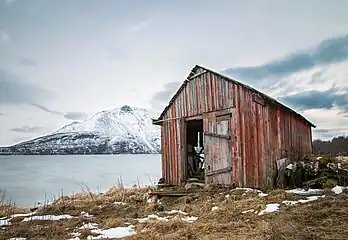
(195, 149)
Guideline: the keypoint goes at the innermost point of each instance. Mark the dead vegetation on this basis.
(325, 218)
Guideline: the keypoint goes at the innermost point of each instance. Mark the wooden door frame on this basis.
(183, 149)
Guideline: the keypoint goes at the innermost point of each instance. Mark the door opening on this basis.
(195, 149)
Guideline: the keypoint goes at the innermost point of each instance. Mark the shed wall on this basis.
(261, 133)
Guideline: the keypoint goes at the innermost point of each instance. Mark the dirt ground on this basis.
(220, 215)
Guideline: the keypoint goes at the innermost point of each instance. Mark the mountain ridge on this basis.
(125, 130)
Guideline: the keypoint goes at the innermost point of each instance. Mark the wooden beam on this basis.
(159, 121)
(197, 117)
(223, 170)
(197, 75)
(258, 99)
(217, 135)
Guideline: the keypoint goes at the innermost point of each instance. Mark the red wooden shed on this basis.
(226, 132)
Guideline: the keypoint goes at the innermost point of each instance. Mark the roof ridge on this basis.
(236, 82)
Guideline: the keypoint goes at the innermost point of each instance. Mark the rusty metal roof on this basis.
(266, 97)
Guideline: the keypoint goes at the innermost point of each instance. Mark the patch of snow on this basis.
(189, 219)
(263, 194)
(214, 208)
(246, 189)
(309, 199)
(303, 192)
(4, 222)
(152, 217)
(74, 238)
(118, 232)
(227, 196)
(318, 158)
(338, 189)
(17, 238)
(85, 214)
(75, 234)
(89, 226)
(272, 207)
(177, 212)
(120, 203)
(47, 218)
(247, 211)
(23, 214)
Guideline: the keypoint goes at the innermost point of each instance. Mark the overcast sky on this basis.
(65, 60)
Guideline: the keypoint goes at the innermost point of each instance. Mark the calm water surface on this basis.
(29, 179)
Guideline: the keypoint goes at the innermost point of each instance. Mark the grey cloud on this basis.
(166, 93)
(161, 98)
(43, 108)
(328, 51)
(328, 99)
(329, 133)
(67, 115)
(28, 62)
(75, 115)
(318, 77)
(15, 91)
(1, 114)
(26, 129)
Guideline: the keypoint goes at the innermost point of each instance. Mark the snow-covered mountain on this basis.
(125, 130)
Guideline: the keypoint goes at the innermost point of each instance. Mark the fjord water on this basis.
(28, 180)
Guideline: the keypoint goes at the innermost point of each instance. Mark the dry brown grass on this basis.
(322, 219)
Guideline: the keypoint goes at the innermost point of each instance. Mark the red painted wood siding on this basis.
(261, 134)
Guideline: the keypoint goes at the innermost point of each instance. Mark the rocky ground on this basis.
(131, 213)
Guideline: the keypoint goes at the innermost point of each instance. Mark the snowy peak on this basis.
(125, 124)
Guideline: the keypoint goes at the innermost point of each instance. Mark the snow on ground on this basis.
(117, 232)
(4, 222)
(154, 217)
(214, 208)
(272, 207)
(85, 214)
(247, 211)
(23, 214)
(309, 199)
(89, 226)
(189, 219)
(47, 217)
(338, 189)
(176, 212)
(303, 192)
(260, 193)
